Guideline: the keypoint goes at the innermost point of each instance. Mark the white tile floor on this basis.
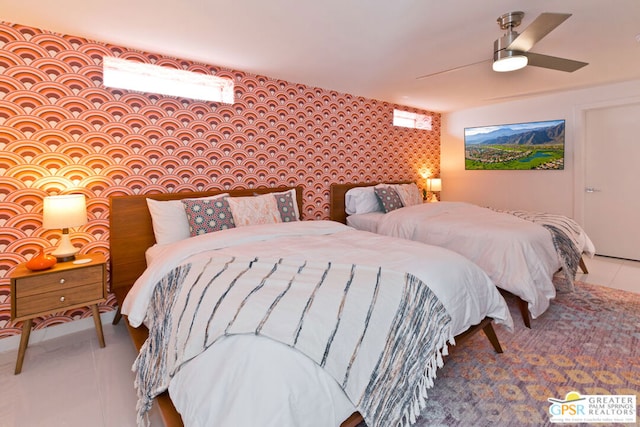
(612, 272)
(71, 382)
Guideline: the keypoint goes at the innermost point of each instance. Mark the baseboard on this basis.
(12, 343)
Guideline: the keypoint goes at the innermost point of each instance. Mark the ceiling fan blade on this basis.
(450, 70)
(521, 95)
(540, 27)
(554, 63)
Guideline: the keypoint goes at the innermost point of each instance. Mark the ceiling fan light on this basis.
(510, 63)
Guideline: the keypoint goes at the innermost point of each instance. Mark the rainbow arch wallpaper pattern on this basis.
(62, 131)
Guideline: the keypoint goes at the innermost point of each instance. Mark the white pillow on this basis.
(361, 200)
(254, 210)
(169, 219)
(409, 194)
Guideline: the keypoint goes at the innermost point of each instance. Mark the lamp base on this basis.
(65, 250)
(66, 258)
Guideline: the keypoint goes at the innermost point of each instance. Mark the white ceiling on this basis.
(371, 48)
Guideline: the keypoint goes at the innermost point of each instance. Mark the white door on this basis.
(612, 178)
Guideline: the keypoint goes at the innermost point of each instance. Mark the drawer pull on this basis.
(61, 299)
(62, 281)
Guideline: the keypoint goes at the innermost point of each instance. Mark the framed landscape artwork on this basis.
(525, 146)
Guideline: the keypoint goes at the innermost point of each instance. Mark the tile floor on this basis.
(612, 272)
(70, 381)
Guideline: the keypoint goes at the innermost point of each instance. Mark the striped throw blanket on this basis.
(338, 315)
(565, 233)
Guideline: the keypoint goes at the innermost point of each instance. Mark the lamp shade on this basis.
(434, 184)
(64, 211)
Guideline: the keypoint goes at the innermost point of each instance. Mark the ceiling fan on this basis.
(511, 51)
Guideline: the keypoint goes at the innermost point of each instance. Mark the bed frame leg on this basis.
(493, 338)
(117, 317)
(487, 327)
(524, 310)
(583, 266)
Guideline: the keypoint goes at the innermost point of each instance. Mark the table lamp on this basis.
(64, 212)
(434, 184)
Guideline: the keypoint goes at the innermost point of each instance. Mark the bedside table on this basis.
(64, 286)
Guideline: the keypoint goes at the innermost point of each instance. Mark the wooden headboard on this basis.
(131, 231)
(336, 199)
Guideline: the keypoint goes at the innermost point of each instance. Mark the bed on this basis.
(520, 251)
(239, 361)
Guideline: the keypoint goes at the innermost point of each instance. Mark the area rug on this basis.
(587, 342)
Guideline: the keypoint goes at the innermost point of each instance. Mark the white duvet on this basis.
(248, 381)
(518, 255)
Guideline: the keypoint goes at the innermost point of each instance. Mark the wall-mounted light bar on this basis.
(131, 75)
(408, 119)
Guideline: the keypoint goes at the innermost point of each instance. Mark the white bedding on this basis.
(268, 381)
(366, 222)
(518, 255)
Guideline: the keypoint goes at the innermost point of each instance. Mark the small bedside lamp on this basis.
(434, 184)
(64, 212)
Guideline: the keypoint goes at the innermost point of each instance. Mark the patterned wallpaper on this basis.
(62, 131)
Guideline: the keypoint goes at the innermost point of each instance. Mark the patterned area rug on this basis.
(588, 341)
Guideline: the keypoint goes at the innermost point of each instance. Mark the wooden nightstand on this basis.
(64, 286)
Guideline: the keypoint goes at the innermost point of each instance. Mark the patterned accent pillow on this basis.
(208, 215)
(169, 219)
(409, 194)
(287, 205)
(389, 198)
(254, 210)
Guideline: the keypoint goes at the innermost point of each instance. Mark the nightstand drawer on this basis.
(59, 281)
(59, 299)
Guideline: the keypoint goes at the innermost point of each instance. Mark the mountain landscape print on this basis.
(525, 146)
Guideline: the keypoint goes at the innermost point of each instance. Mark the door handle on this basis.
(592, 190)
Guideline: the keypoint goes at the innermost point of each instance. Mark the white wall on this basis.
(550, 191)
